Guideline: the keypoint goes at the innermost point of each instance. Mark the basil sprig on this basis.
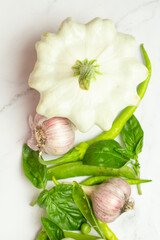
(132, 136)
(61, 208)
(110, 154)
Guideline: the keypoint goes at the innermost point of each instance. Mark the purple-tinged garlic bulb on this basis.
(110, 199)
(54, 136)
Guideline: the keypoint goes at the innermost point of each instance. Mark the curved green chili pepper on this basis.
(99, 179)
(74, 154)
(75, 169)
(107, 231)
(78, 152)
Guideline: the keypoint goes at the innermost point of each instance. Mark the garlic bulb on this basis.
(54, 136)
(110, 199)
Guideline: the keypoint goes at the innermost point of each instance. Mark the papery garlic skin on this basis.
(53, 136)
(108, 95)
(110, 198)
(34, 123)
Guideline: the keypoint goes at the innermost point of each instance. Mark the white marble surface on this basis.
(21, 24)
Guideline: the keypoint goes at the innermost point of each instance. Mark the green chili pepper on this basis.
(107, 231)
(99, 179)
(75, 169)
(78, 152)
(78, 236)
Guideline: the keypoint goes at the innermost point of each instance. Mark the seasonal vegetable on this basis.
(86, 87)
(110, 199)
(76, 169)
(78, 152)
(99, 179)
(61, 208)
(38, 174)
(84, 205)
(54, 136)
(78, 236)
(132, 136)
(86, 77)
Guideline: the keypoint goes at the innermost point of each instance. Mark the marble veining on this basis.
(140, 8)
(15, 99)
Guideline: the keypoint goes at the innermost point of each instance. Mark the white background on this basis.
(21, 24)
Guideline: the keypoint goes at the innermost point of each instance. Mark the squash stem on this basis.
(87, 71)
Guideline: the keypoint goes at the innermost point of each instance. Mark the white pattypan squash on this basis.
(87, 73)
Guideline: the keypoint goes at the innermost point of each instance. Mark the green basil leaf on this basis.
(103, 154)
(42, 199)
(84, 206)
(131, 135)
(61, 208)
(139, 146)
(52, 230)
(34, 171)
(125, 152)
